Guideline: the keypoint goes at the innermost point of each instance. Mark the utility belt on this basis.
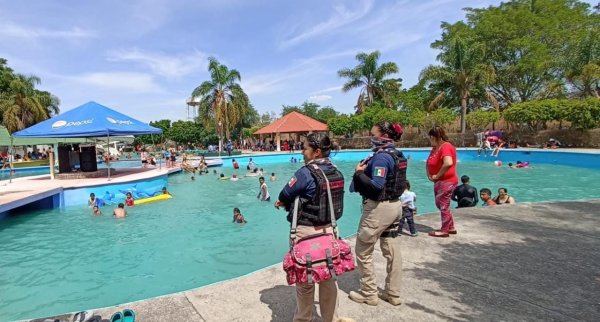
(364, 199)
(392, 231)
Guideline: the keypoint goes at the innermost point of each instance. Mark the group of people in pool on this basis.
(119, 212)
(466, 195)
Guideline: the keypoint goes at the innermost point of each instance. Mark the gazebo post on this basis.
(278, 139)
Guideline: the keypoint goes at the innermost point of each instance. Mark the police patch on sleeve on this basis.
(292, 181)
(379, 172)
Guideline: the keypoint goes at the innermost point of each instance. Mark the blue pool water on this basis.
(62, 260)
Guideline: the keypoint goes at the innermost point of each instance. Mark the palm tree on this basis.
(582, 66)
(50, 102)
(461, 72)
(369, 76)
(222, 99)
(22, 105)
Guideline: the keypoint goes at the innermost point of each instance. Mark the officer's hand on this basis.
(361, 166)
(278, 204)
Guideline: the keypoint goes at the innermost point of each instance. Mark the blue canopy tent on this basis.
(88, 120)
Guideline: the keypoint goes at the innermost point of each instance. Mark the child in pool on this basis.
(92, 201)
(129, 200)
(238, 217)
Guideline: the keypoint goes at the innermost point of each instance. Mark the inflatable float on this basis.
(152, 199)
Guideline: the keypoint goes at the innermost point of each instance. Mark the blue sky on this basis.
(145, 57)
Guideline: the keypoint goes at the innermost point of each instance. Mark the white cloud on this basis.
(327, 90)
(341, 17)
(13, 30)
(319, 98)
(161, 64)
(122, 81)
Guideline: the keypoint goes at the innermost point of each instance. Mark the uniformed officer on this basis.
(380, 180)
(314, 217)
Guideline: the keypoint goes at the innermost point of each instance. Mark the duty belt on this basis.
(392, 231)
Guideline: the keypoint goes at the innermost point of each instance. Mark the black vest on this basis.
(395, 181)
(316, 211)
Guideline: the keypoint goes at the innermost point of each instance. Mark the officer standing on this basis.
(314, 217)
(380, 180)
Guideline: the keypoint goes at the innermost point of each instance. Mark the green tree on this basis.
(222, 99)
(369, 76)
(22, 105)
(342, 124)
(478, 120)
(441, 117)
(185, 132)
(525, 41)
(287, 109)
(326, 113)
(582, 64)
(6, 76)
(154, 139)
(267, 118)
(462, 69)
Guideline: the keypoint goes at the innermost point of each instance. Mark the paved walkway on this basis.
(527, 262)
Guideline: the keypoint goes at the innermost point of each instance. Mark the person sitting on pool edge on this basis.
(485, 195)
(238, 217)
(120, 211)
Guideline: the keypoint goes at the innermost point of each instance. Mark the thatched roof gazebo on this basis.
(293, 122)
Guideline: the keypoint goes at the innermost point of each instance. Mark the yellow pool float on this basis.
(152, 199)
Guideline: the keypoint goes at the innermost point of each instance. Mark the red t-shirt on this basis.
(236, 165)
(435, 161)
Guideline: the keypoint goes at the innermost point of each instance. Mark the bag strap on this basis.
(297, 205)
(331, 210)
(294, 221)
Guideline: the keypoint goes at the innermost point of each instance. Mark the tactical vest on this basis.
(316, 211)
(395, 181)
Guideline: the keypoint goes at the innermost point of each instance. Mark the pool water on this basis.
(62, 260)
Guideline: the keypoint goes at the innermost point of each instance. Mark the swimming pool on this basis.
(62, 260)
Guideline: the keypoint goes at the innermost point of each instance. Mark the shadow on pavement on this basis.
(544, 268)
(281, 301)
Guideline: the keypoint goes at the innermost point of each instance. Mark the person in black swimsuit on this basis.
(465, 194)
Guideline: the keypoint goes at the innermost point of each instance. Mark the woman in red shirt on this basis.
(441, 170)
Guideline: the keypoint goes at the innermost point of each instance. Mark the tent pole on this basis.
(11, 157)
(108, 157)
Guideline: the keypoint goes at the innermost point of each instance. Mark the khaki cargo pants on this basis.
(377, 216)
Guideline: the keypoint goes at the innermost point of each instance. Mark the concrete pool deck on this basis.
(525, 262)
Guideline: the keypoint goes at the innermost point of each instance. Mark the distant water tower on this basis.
(193, 104)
